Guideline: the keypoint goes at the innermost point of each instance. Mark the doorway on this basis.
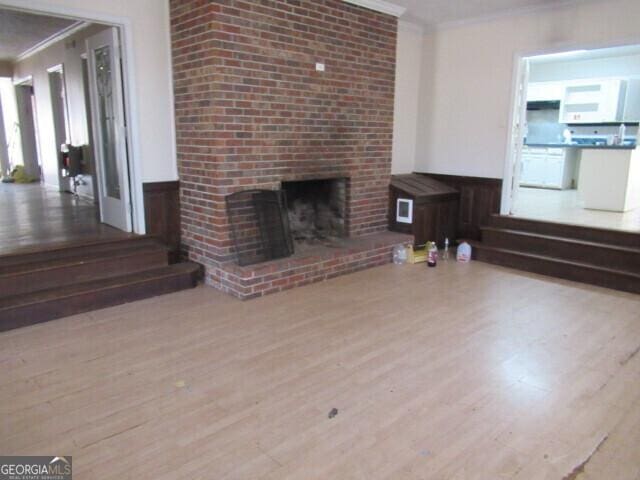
(27, 128)
(573, 156)
(60, 117)
(109, 128)
(77, 145)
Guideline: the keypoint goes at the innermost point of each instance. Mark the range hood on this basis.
(543, 105)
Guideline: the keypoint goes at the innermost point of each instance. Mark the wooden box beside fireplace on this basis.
(424, 207)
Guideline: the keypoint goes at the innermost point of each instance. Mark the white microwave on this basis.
(404, 210)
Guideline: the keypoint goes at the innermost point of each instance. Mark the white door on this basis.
(109, 129)
(513, 163)
(519, 130)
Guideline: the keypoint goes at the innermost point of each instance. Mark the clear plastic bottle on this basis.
(621, 133)
(445, 252)
(399, 254)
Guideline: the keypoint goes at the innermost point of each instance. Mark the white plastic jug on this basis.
(464, 252)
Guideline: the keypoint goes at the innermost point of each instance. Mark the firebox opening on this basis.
(316, 209)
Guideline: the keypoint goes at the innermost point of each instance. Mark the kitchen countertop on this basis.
(581, 145)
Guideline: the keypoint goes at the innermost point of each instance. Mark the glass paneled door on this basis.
(109, 129)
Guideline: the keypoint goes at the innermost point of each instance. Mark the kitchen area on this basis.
(579, 161)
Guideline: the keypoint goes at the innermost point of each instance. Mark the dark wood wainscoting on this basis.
(479, 199)
(162, 214)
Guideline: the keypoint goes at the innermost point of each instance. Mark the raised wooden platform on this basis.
(607, 258)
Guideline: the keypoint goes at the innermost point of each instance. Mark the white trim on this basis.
(133, 125)
(172, 110)
(379, 6)
(56, 68)
(512, 152)
(132, 113)
(28, 80)
(572, 46)
(507, 175)
(56, 37)
(40, 7)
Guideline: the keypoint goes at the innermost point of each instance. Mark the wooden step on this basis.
(45, 305)
(80, 265)
(72, 249)
(618, 238)
(569, 270)
(570, 249)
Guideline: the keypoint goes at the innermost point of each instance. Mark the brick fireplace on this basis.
(252, 112)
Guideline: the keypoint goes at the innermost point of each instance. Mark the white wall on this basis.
(467, 78)
(6, 69)
(408, 59)
(153, 90)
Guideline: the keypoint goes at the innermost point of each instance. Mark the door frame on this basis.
(32, 138)
(518, 57)
(114, 210)
(57, 127)
(132, 113)
(515, 135)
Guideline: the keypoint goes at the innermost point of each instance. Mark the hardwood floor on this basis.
(465, 371)
(33, 216)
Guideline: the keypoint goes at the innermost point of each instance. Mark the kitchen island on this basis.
(609, 178)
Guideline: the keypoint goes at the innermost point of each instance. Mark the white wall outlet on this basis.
(319, 67)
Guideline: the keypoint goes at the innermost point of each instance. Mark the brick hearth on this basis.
(312, 265)
(252, 112)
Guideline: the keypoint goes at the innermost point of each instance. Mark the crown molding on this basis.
(379, 6)
(514, 12)
(56, 37)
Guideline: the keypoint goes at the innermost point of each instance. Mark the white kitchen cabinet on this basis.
(545, 91)
(593, 101)
(548, 167)
(632, 101)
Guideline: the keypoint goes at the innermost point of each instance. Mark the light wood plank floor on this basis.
(459, 372)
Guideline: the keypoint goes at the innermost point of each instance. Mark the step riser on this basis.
(120, 246)
(591, 254)
(63, 275)
(567, 272)
(607, 237)
(41, 312)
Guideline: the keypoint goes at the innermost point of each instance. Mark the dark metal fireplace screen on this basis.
(259, 225)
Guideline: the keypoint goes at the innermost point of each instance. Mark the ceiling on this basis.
(435, 12)
(21, 31)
